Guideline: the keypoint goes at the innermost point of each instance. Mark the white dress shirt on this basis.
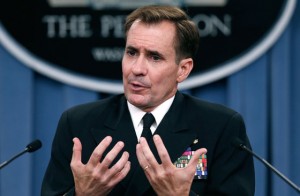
(158, 113)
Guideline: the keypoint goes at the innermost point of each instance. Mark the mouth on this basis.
(138, 86)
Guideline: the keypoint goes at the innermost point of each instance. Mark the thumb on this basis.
(194, 160)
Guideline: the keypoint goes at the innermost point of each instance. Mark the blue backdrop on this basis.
(266, 93)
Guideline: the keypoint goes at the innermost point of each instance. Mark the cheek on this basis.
(125, 69)
(164, 81)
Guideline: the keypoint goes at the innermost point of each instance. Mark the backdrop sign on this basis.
(81, 42)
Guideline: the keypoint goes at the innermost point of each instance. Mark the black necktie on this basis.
(148, 120)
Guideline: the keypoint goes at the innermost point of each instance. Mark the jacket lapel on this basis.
(175, 131)
(111, 122)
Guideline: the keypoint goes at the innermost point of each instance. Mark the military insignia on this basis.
(195, 141)
(201, 171)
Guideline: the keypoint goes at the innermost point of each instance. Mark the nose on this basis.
(140, 66)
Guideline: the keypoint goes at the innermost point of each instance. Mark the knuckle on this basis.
(118, 167)
(95, 175)
(161, 175)
(74, 165)
(164, 154)
(96, 154)
(103, 181)
(108, 159)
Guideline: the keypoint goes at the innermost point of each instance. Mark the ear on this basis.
(185, 68)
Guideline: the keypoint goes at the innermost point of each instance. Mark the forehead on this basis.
(154, 36)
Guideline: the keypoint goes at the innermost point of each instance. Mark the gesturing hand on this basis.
(165, 178)
(97, 178)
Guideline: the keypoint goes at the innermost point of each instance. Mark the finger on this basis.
(120, 175)
(76, 156)
(162, 151)
(124, 171)
(147, 153)
(120, 164)
(194, 160)
(98, 151)
(110, 157)
(140, 156)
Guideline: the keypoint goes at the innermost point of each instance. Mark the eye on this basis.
(155, 57)
(131, 52)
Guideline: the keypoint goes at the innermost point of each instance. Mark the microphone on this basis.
(33, 146)
(239, 144)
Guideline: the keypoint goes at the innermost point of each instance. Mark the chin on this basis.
(136, 99)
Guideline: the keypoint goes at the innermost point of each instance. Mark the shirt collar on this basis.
(158, 113)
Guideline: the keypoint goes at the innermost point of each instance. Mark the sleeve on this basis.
(232, 170)
(58, 178)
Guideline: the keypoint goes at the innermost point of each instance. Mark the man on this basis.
(108, 154)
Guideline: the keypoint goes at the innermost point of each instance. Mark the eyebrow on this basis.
(131, 48)
(152, 52)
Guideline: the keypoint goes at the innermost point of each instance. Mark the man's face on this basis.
(150, 74)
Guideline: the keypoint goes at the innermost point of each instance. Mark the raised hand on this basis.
(165, 178)
(95, 177)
